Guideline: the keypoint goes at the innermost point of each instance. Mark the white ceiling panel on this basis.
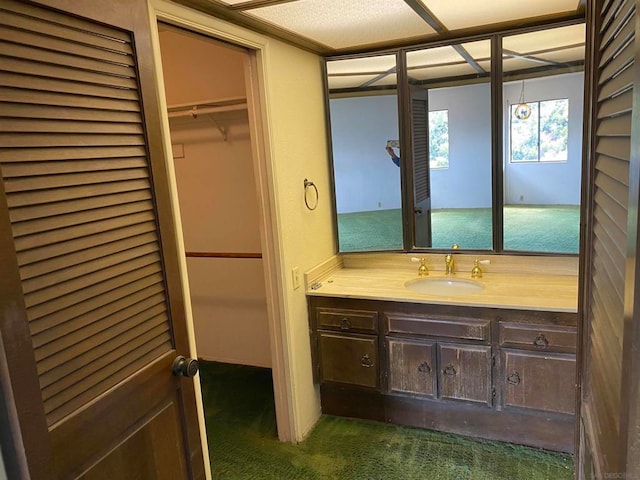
(349, 81)
(545, 39)
(379, 64)
(473, 13)
(433, 56)
(346, 23)
(446, 71)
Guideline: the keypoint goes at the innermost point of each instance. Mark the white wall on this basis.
(218, 202)
(365, 177)
(553, 182)
(367, 180)
(467, 181)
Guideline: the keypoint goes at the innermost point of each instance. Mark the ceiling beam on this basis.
(531, 58)
(257, 4)
(378, 78)
(434, 22)
(427, 15)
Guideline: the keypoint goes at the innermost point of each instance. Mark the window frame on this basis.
(539, 156)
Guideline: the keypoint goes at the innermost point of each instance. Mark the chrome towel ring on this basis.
(308, 184)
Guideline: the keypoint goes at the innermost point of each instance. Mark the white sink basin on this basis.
(448, 287)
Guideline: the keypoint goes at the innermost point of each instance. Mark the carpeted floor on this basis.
(243, 445)
(554, 228)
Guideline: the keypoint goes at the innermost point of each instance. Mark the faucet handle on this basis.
(476, 271)
(455, 246)
(423, 271)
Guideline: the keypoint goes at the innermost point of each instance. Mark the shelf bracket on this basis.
(222, 130)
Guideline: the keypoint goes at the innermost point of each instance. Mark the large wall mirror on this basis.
(363, 106)
(452, 147)
(543, 82)
(432, 148)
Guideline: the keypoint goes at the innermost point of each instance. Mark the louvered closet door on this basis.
(98, 287)
(613, 97)
(421, 177)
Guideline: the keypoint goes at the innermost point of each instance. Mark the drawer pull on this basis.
(345, 324)
(366, 362)
(449, 370)
(541, 341)
(424, 368)
(513, 379)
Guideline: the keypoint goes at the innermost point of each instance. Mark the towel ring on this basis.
(308, 185)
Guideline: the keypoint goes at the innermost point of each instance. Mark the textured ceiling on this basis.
(349, 25)
(528, 54)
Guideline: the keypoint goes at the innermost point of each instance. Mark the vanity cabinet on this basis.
(348, 346)
(412, 367)
(456, 371)
(493, 373)
(538, 366)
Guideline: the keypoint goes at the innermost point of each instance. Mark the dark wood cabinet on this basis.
(542, 381)
(465, 373)
(412, 367)
(499, 374)
(351, 359)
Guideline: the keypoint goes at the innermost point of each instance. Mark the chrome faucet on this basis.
(449, 263)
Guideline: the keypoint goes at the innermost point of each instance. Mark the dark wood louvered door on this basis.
(609, 372)
(91, 309)
(421, 178)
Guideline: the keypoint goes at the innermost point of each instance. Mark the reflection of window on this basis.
(544, 136)
(439, 139)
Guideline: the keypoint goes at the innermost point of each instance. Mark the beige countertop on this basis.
(530, 290)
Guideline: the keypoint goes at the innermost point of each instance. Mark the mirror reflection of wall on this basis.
(457, 80)
(364, 116)
(543, 149)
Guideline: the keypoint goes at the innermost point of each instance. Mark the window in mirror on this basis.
(363, 113)
(439, 139)
(456, 82)
(543, 136)
(542, 167)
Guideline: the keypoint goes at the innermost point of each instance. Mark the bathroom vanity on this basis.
(489, 371)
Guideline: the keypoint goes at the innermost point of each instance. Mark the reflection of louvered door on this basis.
(604, 383)
(421, 181)
(84, 242)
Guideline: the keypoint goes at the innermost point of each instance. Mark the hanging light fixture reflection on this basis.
(523, 110)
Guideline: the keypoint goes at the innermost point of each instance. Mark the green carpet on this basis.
(243, 445)
(536, 228)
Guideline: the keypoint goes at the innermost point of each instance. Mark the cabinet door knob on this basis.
(366, 362)
(345, 324)
(513, 379)
(541, 341)
(449, 370)
(424, 367)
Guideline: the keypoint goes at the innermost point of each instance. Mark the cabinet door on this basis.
(465, 372)
(539, 381)
(412, 367)
(351, 359)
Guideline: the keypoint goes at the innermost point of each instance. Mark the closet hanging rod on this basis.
(222, 255)
(196, 109)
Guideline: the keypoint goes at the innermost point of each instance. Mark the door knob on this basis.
(187, 367)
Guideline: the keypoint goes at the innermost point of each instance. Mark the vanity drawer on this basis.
(347, 320)
(538, 337)
(458, 328)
